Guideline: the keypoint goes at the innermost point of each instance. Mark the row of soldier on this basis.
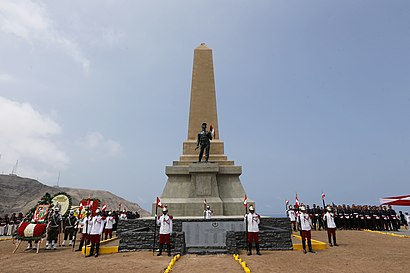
(9, 224)
(353, 217)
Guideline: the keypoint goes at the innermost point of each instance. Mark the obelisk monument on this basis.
(190, 182)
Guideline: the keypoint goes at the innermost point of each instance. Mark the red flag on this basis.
(323, 196)
(159, 204)
(104, 207)
(81, 206)
(212, 131)
(287, 202)
(245, 200)
(297, 201)
(88, 202)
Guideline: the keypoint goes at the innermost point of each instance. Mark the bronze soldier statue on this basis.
(204, 140)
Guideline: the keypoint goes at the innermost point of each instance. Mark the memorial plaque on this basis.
(209, 234)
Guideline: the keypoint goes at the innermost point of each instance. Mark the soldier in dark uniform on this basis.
(320, 220)
(204, 140)
(69, 227)
(393, 218)
(53, 228)
(313, 213)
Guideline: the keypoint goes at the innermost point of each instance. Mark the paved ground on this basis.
(359, 251)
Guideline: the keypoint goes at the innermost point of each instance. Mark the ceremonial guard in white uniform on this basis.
(109, 223)
(165, 230)
(292, 217)
(329, 217)
(252, 220)
(304, 222)
(86, 228)
(97, 227)
(208, 212)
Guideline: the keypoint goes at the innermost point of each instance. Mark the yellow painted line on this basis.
(387, 233)
(103, 250)
(317, 245)
(242, 263)
(5, 239)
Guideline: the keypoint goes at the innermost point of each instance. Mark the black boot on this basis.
(304, 246)
(91, 250)
(330, 240)
(160, 249)
(334, 240)
(169, 249)
(97, 248)
(257, 249)
(249, 249)
(80, 247)
(310, 247)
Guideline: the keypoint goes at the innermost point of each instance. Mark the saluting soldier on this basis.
(292, 217)
(208, 212)
(165, 230)
(304, 221)
(97, 227)
(329, 217)
(253, 219)
(109, 224)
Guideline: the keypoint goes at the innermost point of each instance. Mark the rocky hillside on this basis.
(18, 194)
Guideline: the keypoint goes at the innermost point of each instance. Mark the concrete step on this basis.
(206, 250)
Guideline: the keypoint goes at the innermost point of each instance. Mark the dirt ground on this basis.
(359, 251)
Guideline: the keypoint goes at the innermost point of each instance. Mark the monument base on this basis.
(200, 236)
(188, 186)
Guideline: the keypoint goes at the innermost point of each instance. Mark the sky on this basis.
(312, 96)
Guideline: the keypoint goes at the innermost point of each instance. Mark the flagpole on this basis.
(155, 227)
(323, 199)
(246, 228)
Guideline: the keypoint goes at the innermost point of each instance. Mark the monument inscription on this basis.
(209, 234)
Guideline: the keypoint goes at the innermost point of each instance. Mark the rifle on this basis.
(246, 228)
(155, 229)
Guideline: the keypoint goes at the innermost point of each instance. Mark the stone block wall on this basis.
(137, 235)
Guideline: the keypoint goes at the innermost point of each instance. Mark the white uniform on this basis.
(253, 222)
(304, 221)
(208, 214)
(329, 217)
(292, 215)
(165, 223)
(97, 225)
(110, 221)
(86, 221)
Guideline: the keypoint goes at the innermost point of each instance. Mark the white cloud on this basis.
(30, 21)
(7, 78)
(27, 135)
(96, 141)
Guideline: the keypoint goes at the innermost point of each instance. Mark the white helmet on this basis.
(165, 209)
(302, 208)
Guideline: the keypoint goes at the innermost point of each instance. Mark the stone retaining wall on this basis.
(137, 235)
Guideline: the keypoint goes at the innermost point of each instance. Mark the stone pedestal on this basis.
(189, 185)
